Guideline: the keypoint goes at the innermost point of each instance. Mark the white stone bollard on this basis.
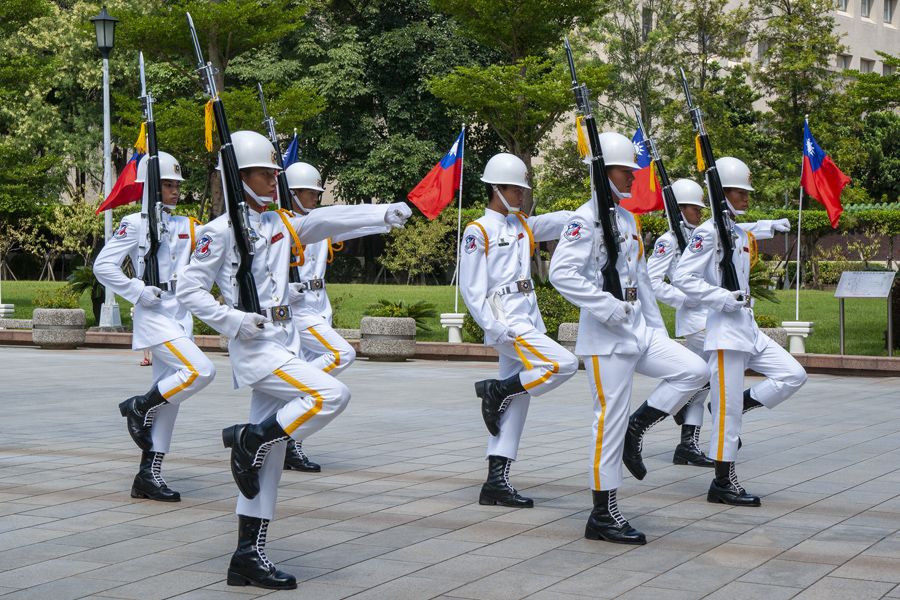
(454, 323)
(389, 339)
(58, 328)
(797, 332)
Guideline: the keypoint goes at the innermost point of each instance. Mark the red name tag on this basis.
(746, 249)
(521, 235)
(634, 237)
(183, 236)
(277, 237)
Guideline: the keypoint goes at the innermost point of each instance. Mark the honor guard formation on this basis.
(269, 261)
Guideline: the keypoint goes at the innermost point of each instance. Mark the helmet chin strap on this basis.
(263, 200)
(733, 210)
(299, 205)
(503, 200)
(616, 191)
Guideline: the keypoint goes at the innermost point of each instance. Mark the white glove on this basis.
(295, 293)
(508, 336)
(620, 315)
(149, 296)
(251, 326)
(397, 214)
(732, 303)
(691, 302)
(782, 225)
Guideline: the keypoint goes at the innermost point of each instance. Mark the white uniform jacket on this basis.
(496, 252)
(575, 272)
(255, 358)
(698, 276)
(169, 319)
(314, 307)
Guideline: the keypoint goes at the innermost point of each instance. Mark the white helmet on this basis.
(688, 192)
(617, 150)
(734, 173)
(303, 176)
(506, 169)
(168, 168)
(252, 149)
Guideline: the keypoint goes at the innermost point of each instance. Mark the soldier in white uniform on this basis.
(290, 398)
(690, 315)
(320, 345)
(617, 338)
(733, 339)
(161, 324)
(495, 281)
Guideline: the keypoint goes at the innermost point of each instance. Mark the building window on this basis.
(646, 22)
(887, 70)
(843, 61)
(844, 5)
(889, 7)
(763, 50)
(866, 66)
(866, 8)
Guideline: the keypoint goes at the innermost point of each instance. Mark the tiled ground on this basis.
(394, 512)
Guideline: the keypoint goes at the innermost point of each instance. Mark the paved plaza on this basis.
(394, 512)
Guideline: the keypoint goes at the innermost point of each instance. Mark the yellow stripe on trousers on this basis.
(599, 445)
(308, 414)
(721, 447)
(190, 367)
(337, 355)
(546, 375)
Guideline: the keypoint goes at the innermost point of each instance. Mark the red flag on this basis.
(126, 190)
(646, 193)
(437, 189)
(821, 178)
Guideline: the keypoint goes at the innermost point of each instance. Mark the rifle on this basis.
(717, 201)
(673, 213)
(151, 206)
(246, 297)
(284, 192)
(606, 206)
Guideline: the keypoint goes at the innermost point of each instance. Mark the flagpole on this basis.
(799, 223)
(459, 217)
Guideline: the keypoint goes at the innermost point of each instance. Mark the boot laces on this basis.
(261, 544)
(507, 400)
(695, 440)
(506, 476)
(264, 449)
(298, 451)
(697, 394)
(150, 415)
(645, 430)
(732, 478)
(612, 505)
(156, 468)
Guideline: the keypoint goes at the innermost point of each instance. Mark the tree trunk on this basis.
(216, 195)
(528, 202)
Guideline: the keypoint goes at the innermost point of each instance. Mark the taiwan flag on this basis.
(291, 156)
(821, 178)
(126, 190)
(646, 193)
(437, 189)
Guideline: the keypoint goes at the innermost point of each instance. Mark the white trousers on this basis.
(784, 376)
(180, 370)
(305, 400)
(325, 350)
(542, 365)
(612, 377)
(694, 413)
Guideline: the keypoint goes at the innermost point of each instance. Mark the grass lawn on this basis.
(865, 320)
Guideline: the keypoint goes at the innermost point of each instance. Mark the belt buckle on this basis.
(317, 284)
(167, 286)
(524, 285)
(281, 313)
(630, 294)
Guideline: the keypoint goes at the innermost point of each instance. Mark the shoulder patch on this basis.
(469, 244)
(696, 244)
(203, 247)
(573, 231)
(122, 231)
(662, 248)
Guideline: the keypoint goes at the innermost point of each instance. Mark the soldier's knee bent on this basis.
(348, 356)
(568, 364)
(206, 372)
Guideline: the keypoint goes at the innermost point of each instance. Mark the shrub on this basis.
(345, 269)
(555, 311)
(82, 280)
(201, 328)
(337, 316)
(62, 297)
(766, 322)
(419, 311)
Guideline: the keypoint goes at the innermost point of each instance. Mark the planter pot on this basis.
(390, 339)
(58, 328)
(778, 334)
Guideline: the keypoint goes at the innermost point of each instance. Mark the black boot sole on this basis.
(592, 534)
(140, 494)
(238, 579)
(638, 470)
(677, 460)
(317, 469)
(716, 498)
(488, 501)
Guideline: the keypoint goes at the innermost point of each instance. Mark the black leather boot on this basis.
(249, 446)
(688, 452)
(726, 489)
(495, 395)
(681, 415)
(249, 564)
(497, 489)
(148, 483)
(607, 523)
(139, 412)
(640, 422)
(749, 402)
(295, 459)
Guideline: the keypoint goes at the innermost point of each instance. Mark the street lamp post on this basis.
(105, 30)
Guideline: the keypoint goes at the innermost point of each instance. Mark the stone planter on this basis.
(58, 328)
(778, 334)
(391, 339)
(567, 336)
(223, 342)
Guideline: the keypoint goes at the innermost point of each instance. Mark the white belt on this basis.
(522, 286)
(313, 285)
(168, 286)
(277, 314)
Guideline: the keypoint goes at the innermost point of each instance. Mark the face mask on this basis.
(616, 191)
(263, 200)
(503, 200)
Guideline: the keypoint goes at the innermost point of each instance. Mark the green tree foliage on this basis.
(880, 140)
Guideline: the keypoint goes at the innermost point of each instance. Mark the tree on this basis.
(874, 92)
(880, 140)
